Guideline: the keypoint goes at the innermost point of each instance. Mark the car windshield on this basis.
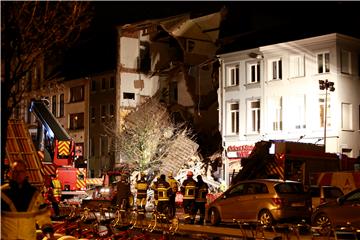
(289, 188)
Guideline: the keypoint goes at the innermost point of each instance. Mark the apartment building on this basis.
(101, 112)
(274, 93)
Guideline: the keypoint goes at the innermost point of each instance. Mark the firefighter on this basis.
(188, 192)
(23, 207)
(163, 195)
(56, 194)
(123, 192)
(174, 187)
(154, 186)
(141, 187)
(201, 191)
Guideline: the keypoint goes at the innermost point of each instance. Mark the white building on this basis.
(272, 93)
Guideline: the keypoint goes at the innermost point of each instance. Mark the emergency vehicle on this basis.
(57, 151)
(286, 160)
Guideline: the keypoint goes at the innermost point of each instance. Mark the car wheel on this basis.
(266, 218)
(214, 216)
(323, 223)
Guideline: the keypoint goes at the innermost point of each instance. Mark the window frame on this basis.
(253, 77)
(297, 66)
(234, 118)
(74, 94)
(322, 111)
(349, 117)
(62, 105)
(72, 123)
(233, 71)
(253, 116)
(342, 58)
(323, 62)
(276, 69)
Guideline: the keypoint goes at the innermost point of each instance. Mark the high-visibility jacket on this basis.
(188, 188)
(201, 191)
(56, 188)
(141, 186)
(21, 209)
(163, 191)
(173, 184)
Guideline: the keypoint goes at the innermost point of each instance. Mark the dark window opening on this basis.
(127, 95)
(77, 94)
(61, 110)
(76, 121)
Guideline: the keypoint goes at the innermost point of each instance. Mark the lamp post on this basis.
(327, 85)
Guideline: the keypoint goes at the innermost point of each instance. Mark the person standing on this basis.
(123, 192)
(163, 193)
(188, 192)
(201, 191)
(141, 187)
(23, 207)
(174, 187)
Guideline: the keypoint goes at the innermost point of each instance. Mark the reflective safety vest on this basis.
(141, 187)
(189, 186)
(173, 184)
(163, 191)
(56, 188)
(201, 192)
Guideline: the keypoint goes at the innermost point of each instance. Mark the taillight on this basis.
(278, 201)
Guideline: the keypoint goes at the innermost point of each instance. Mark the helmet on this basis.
(189, 174)
(170, 175)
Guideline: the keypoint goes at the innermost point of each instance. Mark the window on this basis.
(103, 84)
(347, 152)
(234, 114)
(111, 110)
(92, 114)
(127, 95)
(297, 66)
(346, 116)
(77, 94)
(345, 59)
(254, 116)
(253, 73)
(275, 113)
(53, 107)
(61, 110)
(93, 85)
(322, 112)
(323, 61)
(298, 111)
(76, 121)
(112, 82)
(275, 69)
(103, 113)
(233, 73)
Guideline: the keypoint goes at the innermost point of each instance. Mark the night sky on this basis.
(253, 23)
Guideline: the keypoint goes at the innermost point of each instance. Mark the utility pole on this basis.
(326, 85)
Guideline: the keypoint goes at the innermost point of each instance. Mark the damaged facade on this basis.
(173, 58)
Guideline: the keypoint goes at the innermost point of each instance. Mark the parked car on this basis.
(264, 200)
(322, 194)
(341, 212)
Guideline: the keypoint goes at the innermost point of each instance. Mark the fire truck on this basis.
(287, 161)
(57, 151)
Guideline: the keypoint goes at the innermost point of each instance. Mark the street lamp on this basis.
(327, 85)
